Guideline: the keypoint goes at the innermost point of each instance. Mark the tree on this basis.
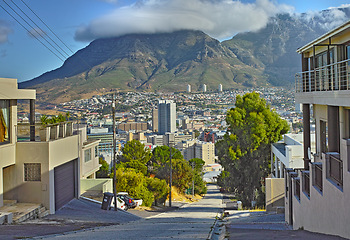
(135, 155)
(197, 168)
(103, 172)
(159, 188)
(245, 149)
(135, 183)
(160, 163)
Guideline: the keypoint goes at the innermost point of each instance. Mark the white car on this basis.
(120, 203)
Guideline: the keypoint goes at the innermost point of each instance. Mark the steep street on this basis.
(191, 221)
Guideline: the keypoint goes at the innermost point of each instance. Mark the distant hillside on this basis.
(170, 61)
(151, 62)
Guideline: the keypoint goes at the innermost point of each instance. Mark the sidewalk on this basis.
(261, 225)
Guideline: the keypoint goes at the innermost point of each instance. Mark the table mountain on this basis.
(170, 61)
(151, 62)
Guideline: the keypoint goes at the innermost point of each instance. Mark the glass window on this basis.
(87, 155)
(32, 172)
(4, 121)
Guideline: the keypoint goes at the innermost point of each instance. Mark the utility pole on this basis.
(114, 153)
(193, 179)
(171, 174)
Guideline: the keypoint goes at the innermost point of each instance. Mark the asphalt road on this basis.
(191, 221)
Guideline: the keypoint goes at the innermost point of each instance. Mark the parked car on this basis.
(120, 203)
(129, 202)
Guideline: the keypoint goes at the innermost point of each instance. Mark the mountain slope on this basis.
(166, 62)
(273, 48)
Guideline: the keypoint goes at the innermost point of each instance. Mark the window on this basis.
(87, 155)
(4, 121)
(32, 172)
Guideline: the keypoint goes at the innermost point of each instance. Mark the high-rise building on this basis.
(220, 87)
(204, 87)
(166, 116)
(189, 88)
(155, 120)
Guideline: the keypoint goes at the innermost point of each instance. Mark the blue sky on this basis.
(77, 22)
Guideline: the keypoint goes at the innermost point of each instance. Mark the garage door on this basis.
(65, 180)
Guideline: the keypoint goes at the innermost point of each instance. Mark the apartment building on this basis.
(317, 196)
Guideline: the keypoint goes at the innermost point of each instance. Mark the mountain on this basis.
(170, 61)
(151, 62)
(273, 48)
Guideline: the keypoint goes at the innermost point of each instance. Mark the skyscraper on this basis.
(155, 120)
(166, 116)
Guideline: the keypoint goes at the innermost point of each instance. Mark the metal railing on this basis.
(336, 169)
(318, 177)
(331, 77)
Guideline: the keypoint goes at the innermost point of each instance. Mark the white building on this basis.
(318, 195)
(188, 88)
(220, 87)
(204, 88)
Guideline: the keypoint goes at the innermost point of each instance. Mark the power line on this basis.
(83, 60)
(39, 27)
(47, 26)
(31, 33)
(33, 29)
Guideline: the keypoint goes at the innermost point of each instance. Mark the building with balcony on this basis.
(317, 196)
(39, 164)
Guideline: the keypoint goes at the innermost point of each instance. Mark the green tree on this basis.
(160, 165)
(159, 188)
(197, 168)
(135, 183)
(103, 172)
(135, 155)
(245, 149)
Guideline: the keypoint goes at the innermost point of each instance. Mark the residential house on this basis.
(43, 170)
(317, 196)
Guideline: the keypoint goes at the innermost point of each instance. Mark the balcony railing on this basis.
(49, 132)
(336, 169)
(318, 177)
(332, 77)
(306, 183)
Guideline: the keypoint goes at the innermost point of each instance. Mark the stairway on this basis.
(22, 211)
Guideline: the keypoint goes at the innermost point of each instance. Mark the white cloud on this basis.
(37, 33)
(5, 30)
(327, 19)
(218, 18)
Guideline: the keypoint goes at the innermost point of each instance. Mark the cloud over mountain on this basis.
(218, 18)
(5, 30)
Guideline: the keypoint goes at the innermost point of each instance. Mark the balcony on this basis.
(318, 179)
(43, 133)
(335, 170)
(306, 182)
(332, 77)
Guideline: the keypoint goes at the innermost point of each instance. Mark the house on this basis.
(44, 170)
(317, 196)
(285, 154)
